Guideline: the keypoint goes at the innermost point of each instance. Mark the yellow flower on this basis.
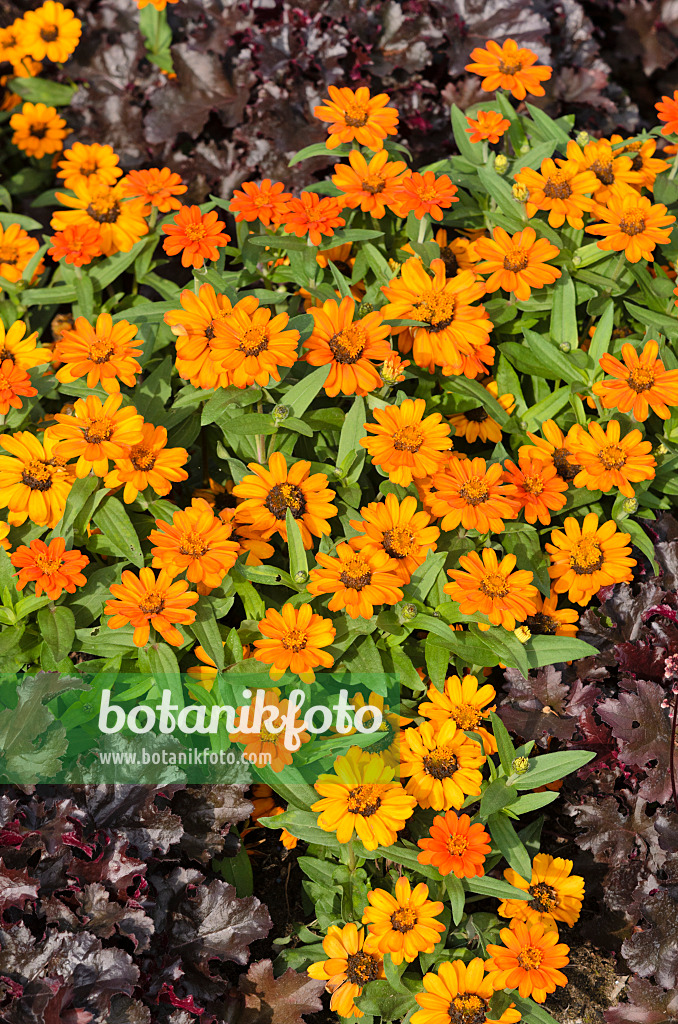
(557, 894)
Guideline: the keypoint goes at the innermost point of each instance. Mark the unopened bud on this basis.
(301, 576)
(524, 148)
(583, 138)
(519, 765)
(500, 163)
(565, 346)
(521, 192)
(407, 612)
(281, 412)
(522, 633)
(630, 505)
(661, 449)
(366, 307)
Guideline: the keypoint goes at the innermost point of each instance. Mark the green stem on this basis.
(261, 440)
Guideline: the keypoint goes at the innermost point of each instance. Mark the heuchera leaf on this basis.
(282, 1000)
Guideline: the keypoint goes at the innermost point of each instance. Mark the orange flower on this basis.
(79, 245)
(145, 601)
(643, 159)
(197, 236)
(34, 482)
(442, 764)
(529, 960)
(609, 461)
(310, 215)
(393, 369)
(465, 702)
(477, 424)
(537, 487)
(38, 130)
(549, 620)
(294, 638)
(633, 225)
(456, 334)
(611, 167)
(267, 744)
(404, 924)
(347, 345)
(397, 529)
(51, 568)
(492, 588)
(357, 581)
(266, 203)
(460, 994)
(95, 433)
(104, 353)
(196, 542)
(17, 249)
(553, 448)
(88, 165)
(158, 188)
(252, 345)
(357, 116)
(454, 845)
(372, 186)
(667, 110)
(159, 5)
(639, 383)
(586, 557)
(424, 193)
(406, 444)
(120, 221)
(489, 124)
(509, 67)
(517, 264)
(353, 961)
(51, 31)
(14, 384)
(467, 492)
(193, 325)
(563, 191)
(272, 490)
(148, 463)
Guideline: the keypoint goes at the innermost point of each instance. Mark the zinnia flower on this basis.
(266, 745)
(86, 165)
(347, 345)
(95, 433)
(266, 203)
(294, 638)
(517, 264)
(643, 159)
(510, 67)
(611, 168)
(78, 245)
(549, 620)
(406, 444)
(50, 567)
(252, 344)
(442, 764)
(372, 186)
(557, 894)
(51, 32)
(38, 130)
(15, 384)
(460, 994)
(632, 225)
(537, 486)
(17, 249)
(476, 424)
(272, 490)
(405, 924)
(423, 194)
(197, 542)
(529, 960)
(489, 125)
(492, 588)
(356, 580)
(148, 463)
(312, 216)
(193, 324)
(639, 383)
(34, 484)
(553, 448)
(562, 190)
(586, 557)
(609, 461)
(667, 111)
(197, 236)
(354, 961)
(104, 353)
(120, 221)
(145, 601)
(362, 797)
(357, 116)
(464, 702)
(158, 187)
(397, 529)
(470, 493)
(454, 845)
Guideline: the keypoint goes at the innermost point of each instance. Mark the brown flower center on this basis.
(37, 475)
(586, 556)
(557, 186)
(565, 469)
(38, 129)
(441, 763)
(544, 897)
(101, 350)
(437, 310)
(267, 737)
(403, 919)
(450, 260)
(347, 346)
(9, 254)
(356, 573)
(466, 716)
(612, 456)
(541, 624)
(282, 497)
(361, 967)
(373, 183)
(192, 544)
(104, 210)
(467, 1009)
(476, 415)
(530, 958)
(399, 542)
(142, 458)
(510, 67)
(153, 602)
(294, 640)
(516, 260)
(408, 439)
(533, 484)
(640, 379)
(603, 171)
(632, 223)
(253, 341)
(475, 491)
(97, 431)
(364, 800)
(356, 114)
(49, 34)
(494, 585)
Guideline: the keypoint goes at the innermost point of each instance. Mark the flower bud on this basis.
(500, 163)
(281, 412)
(366, 307)
(407, 612)
(630, 505)
(583, 138)
(301, 576)
(565, 346)
(519, 765)
(521, 192)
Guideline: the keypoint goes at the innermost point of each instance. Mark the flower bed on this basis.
(404, 440)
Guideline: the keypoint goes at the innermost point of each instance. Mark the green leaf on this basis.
(550, 356)
(547, 408)
(157, 36)
(296, 550)
(600, 342)
(115, 524)
(551, 767)
(249, 425)
(549, 650)
(501, 192)
(506, 839)
(496, 796)
(667, 325)
(507, 751)
(472, 389)
(165, 668)
(547, 127)
(206, 632)
(352, 431)
(237, 870)
(471, 150)
(27, 223)
(641, 540)
(57, 628)
(300, 396)
(486, 886)
(437, 661)
(77, 498)
(42, 90)
(531, 1012)
(320, 149)
(564, 329)
(455, 894)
